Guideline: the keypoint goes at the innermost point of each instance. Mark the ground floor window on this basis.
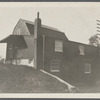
(87, 68)
(55, 65)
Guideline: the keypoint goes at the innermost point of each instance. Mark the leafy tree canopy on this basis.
(95, 40)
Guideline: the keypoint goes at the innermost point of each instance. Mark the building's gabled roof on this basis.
(53, 34)
(78, 43)
(44, 26)
(46, 30)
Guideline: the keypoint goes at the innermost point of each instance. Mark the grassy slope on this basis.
(89, 88)
(23, 79)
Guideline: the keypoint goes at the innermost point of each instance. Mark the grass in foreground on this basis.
(23, 79)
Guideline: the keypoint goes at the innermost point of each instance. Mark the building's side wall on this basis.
(26, 56)
(7, 52)
(48, 47)
(50, 53)
(74, 64)
(74, 70)
(28, 52)
(22, 56)
(10, 52)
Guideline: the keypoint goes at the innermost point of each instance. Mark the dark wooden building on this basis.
(47, 48)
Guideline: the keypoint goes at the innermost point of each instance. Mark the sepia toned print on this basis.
(50, 49)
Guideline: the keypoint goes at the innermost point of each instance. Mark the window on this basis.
(81, 49)
(59, 46)
(55, 65)
(87, 68)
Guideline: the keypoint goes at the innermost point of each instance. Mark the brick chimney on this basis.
(37, 43)
(37, 26)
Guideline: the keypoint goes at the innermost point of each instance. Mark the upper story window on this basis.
(81, 50)
(87, 68)
(58, 46)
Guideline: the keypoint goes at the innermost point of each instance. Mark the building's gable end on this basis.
(20, 29)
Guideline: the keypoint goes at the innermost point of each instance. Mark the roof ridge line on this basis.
(44, 26)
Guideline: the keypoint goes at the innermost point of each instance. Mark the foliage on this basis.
(95, 40)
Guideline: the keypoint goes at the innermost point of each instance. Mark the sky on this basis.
(77, 21)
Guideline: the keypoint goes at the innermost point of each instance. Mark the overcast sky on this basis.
(77, 22)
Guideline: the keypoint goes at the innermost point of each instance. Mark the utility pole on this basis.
(98, 33)
(98, 27)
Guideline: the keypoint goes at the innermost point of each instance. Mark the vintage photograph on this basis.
(50, 48)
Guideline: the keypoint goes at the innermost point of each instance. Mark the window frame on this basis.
(55, 63)
(58, 46)
(81, 50)
(87, 68)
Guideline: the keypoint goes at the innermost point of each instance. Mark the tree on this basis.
(95, 40)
